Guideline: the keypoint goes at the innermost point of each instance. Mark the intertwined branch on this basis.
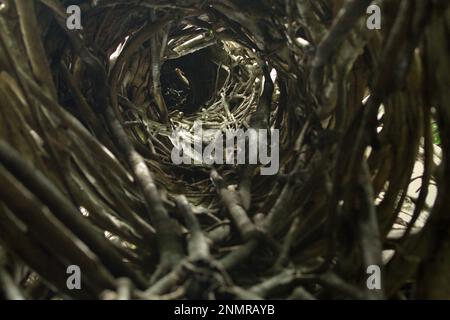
(86, 176)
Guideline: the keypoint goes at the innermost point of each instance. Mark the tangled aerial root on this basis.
(86, 124)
